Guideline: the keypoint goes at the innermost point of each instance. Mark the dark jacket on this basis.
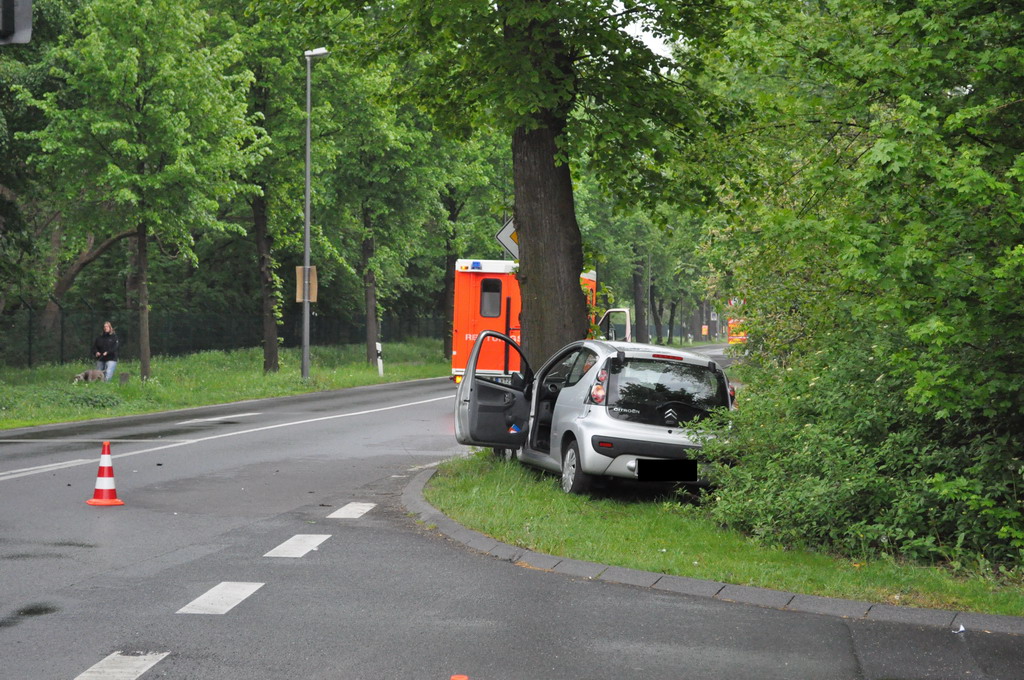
(105, 343)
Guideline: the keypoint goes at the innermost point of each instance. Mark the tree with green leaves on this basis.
(149, 131)
(272, 44)
(872, 212)
(28, 252)
(558, 77)
(476, 199)
(383, 182)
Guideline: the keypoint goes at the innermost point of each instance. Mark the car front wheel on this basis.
(574, 479)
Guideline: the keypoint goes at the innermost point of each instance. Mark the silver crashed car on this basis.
(594, 409)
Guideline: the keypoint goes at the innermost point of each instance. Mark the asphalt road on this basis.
(224, 563)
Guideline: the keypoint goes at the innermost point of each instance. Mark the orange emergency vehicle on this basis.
(735, 323)
(487, 298)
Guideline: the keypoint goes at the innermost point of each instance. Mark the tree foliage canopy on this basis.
(875, 235)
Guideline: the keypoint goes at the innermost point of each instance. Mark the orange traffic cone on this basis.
(105, 493)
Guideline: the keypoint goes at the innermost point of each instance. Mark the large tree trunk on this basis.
(142, 272)
(449, 301)
(550, 246)
(368, 250)
(643, 332)
(672, 320)
(657, 310)
(268, 294)
(454, 208)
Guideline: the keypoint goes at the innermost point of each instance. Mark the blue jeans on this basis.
(107, 367)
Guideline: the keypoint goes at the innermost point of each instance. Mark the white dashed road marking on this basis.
(221, 598)
(122, 666)
(352, 511)
(298, 545)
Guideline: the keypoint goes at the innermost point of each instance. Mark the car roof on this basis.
(635, 348)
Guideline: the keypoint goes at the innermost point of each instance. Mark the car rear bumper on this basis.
(614, 447)
(642, 460)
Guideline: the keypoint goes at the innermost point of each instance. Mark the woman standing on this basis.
(104, 350)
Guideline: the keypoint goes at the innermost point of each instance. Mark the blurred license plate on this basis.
(666, 470)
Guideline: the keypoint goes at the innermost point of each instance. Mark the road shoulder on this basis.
(414, 502)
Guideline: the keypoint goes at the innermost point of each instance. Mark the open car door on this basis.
(610, 322)
(493, 410)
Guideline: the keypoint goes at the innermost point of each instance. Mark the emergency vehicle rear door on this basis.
(610, 322)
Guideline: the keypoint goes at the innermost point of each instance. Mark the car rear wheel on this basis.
(574, 479)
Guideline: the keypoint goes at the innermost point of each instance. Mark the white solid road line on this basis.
(221, 598)
(12, 474)
(352, 511)
(214, 420)
(24, 472)
(298, 545)
(122, 666)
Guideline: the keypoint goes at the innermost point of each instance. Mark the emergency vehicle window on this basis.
(490, 297)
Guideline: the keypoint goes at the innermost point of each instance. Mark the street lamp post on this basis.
(310, 54)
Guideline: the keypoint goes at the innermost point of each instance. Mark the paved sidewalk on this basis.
(412, 499)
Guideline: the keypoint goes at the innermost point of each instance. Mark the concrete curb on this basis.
(414, 502)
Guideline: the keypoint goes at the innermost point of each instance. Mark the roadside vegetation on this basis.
(672, 534)
(45, 394)
(829, 453)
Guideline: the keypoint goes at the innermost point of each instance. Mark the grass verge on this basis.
(45, 394)
(523, 507)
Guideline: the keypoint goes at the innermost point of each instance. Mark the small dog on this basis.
(89, 376)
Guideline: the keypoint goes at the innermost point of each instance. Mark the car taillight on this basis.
(597, 392)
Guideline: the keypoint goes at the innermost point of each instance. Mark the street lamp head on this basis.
(318, 52)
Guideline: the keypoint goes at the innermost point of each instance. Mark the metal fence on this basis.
(28, 341)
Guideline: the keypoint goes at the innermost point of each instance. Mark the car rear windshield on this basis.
(660, 392)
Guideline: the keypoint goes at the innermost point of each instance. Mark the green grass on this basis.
(668, 535)
(45, 394)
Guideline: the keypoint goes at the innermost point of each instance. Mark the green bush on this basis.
(97, 396)
(827, 452)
